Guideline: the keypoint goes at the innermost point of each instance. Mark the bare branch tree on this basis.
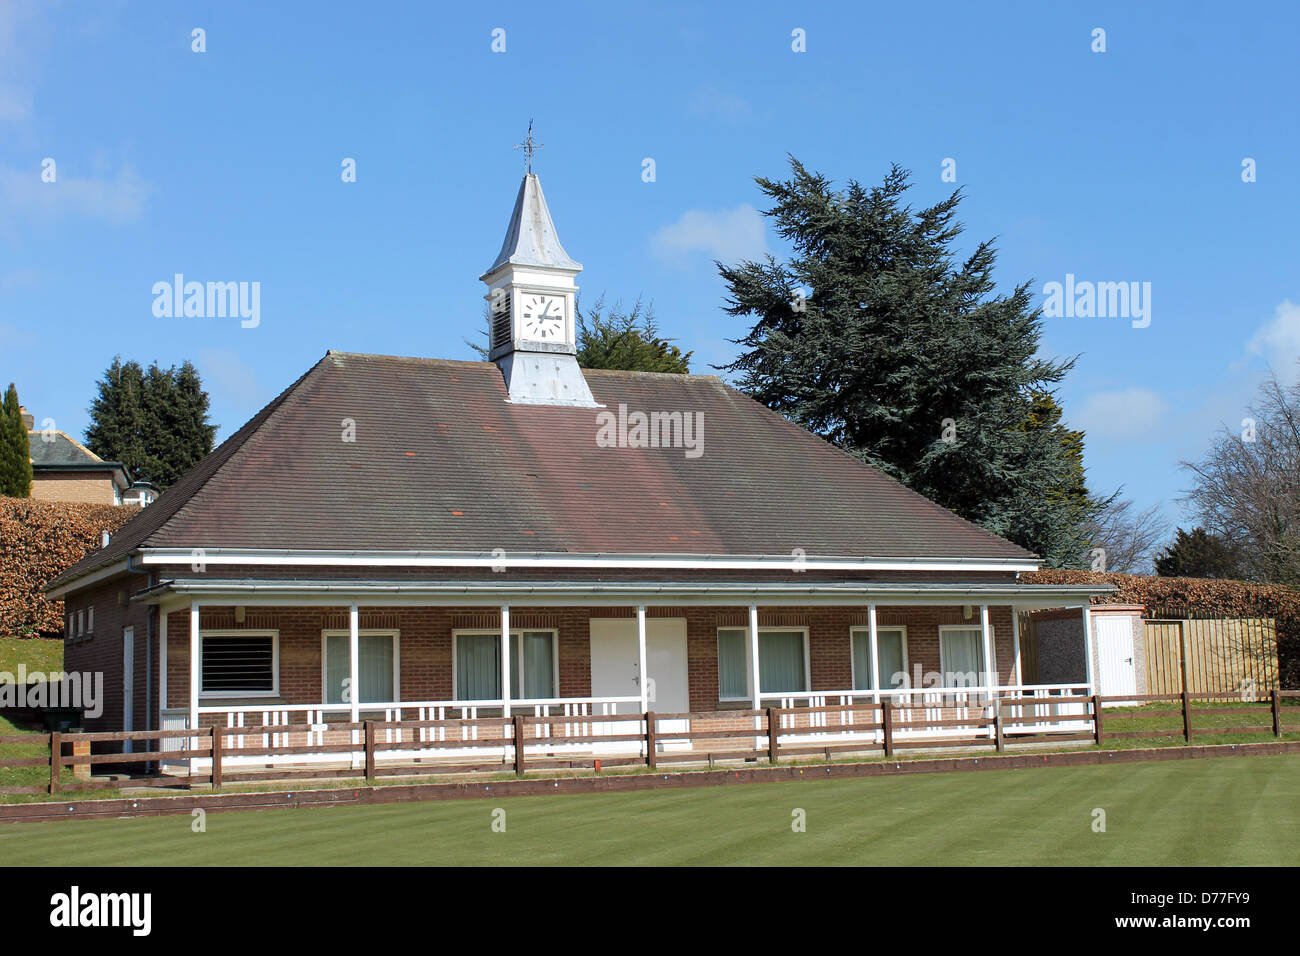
(1247, 486)
(1128, 536)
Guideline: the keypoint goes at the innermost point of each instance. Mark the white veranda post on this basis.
(194, 673)
(1015, 647)
(1087, 648)
(354, 655)
(874, 642)
(643, 679)
(753, 654)
(990, 676)
(505, 660)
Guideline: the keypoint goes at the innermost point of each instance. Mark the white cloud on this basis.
(24, 193)
(728, 235)
(15, 103)
(1121, 414)
(713, 103)
(1279, 342)
(226, 374)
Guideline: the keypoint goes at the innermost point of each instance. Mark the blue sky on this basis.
(225, 165)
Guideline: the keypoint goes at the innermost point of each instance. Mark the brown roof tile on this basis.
(442, 461)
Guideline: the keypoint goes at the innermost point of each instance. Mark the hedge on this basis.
(38, 541)
(1209, 597)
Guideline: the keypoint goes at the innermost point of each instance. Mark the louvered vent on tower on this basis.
(501, 322)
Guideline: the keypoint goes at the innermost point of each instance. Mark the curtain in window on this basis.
(374, 668)
(732, 649)
(478, 666)
(531, 652)
(780, 661)
(963, 656)
(889, 645)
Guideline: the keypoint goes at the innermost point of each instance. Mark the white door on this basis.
(615, 664)
(1117, 673)
(128, 684)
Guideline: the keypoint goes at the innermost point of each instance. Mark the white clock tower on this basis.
(531, 296)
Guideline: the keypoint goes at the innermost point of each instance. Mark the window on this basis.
(90, 620)
(961, 656)
(239, 663)
(533, 665)
(81, 624)
(782, 662)
(891, 645)
(378, 666)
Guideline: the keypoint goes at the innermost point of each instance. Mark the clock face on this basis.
(543, 317)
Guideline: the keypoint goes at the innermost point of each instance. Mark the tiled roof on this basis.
(441, 461)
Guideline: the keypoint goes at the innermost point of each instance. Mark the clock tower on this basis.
(531, 297)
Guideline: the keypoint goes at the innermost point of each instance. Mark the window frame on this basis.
(391, 632)
(865, 629)
(496, 632)
(220, 633)
(978, 629)
(803, 629)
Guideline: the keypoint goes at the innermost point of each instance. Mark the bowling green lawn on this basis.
(1221, 811)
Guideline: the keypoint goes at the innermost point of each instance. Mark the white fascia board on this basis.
(331, 594)
(505, 560)
(86, 580)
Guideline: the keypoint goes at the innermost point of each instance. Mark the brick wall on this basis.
(73, 486)
(426, 636)
(101, 651)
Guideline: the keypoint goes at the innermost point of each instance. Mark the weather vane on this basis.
(529, 147)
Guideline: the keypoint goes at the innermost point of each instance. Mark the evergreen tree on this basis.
(1198, 554)
(15, 450)
(154, 422)
(626, 340)
(874, 337)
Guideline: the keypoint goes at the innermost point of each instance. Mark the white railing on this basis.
(574, 716)
(930, 706)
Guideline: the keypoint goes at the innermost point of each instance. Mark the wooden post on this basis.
(56, 760)
(650, 739)
(889, 730)
(1277, 713)
(1096, 719)
(1187, 716)
(998, 742)
(773, 729)
(217, 743)
(370, 750)
(519, 744)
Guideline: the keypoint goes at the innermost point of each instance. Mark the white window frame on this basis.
(749, 677)
(978, 629)
(496, 632)
(391, 632)
(865, 630)
(90, 620)
(272, 633)
(81, 623)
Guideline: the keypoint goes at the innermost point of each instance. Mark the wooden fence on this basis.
(1210, 655)
(375, 749)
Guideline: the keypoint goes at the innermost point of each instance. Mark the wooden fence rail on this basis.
(525, 742)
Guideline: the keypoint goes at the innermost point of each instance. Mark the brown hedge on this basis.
(1209, 597)
(39, 540)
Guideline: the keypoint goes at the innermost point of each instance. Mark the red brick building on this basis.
(410, 535)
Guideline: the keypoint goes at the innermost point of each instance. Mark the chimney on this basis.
(28, 418)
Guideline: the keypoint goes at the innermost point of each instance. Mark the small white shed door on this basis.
(1115, 656)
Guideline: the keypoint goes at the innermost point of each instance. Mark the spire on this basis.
(531, 239)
